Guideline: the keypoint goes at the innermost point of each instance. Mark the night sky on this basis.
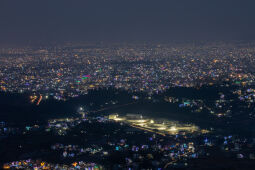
(125, 20)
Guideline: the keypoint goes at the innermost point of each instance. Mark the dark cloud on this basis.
(117, 20)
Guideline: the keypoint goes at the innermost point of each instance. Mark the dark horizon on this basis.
(25, 22)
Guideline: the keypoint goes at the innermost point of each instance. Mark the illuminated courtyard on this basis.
(160, 125)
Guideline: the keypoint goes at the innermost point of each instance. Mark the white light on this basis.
(173, 128)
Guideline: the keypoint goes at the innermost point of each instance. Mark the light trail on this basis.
(39, 100)
(33, 98)
(146, 129)
(169, 163)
